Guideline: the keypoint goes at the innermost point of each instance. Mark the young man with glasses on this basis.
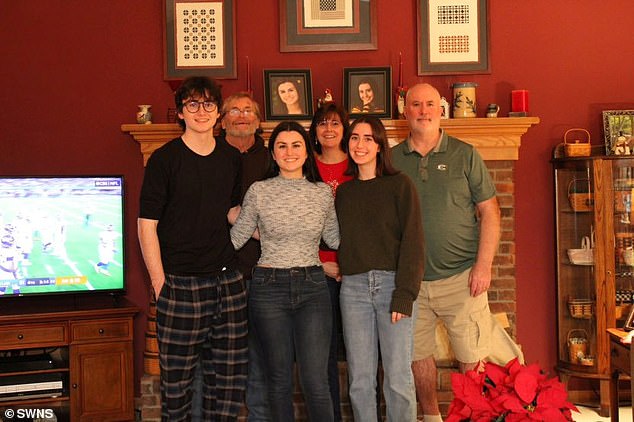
(461, 224)
(190, 185)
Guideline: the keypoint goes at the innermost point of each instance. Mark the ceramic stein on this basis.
(464, 99)
(493, 110)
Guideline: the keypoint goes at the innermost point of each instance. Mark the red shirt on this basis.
(333, 175)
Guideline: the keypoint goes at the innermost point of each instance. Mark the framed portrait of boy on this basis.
(288, 94)
(367, 90)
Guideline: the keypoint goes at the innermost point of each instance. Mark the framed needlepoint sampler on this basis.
(453, 37)
(199, 38)
(328, 25)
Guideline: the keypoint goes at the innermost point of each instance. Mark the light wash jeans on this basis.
(365, 313)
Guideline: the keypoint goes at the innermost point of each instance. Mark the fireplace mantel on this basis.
(495, 138)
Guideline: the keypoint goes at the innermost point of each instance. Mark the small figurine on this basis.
(444, 104)
(400, 101)
(326, 99)
(622, 145)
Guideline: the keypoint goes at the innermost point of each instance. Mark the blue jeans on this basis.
(257, 392)
(335, 345)
(291, 316)
(366, 316)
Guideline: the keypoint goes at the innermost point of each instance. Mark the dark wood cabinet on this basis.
(91, 348)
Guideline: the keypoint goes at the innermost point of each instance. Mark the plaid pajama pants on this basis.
(202, 321)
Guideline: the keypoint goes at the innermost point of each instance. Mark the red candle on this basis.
(519, 100)
(400, 69)
(248, 75)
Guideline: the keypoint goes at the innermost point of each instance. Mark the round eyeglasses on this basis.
(194, 106)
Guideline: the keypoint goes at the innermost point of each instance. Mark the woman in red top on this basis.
(327, 131)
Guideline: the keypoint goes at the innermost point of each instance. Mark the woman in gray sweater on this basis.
(289, 302)
(381, 262)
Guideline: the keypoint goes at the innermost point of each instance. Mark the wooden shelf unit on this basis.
(598, 283)
(92, 350)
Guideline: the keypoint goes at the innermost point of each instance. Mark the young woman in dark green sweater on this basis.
(381, 262)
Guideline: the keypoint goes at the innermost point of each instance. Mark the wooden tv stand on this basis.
(91, 347)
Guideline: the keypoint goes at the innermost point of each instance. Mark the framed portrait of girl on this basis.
(288, 94)
(366, 90)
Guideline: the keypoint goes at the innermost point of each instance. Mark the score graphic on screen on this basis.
(61, 235)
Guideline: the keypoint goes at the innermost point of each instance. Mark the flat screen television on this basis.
(61, 234)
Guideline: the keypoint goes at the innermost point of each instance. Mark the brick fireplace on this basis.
(498, 141)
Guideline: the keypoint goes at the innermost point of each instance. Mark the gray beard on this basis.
(240, 133)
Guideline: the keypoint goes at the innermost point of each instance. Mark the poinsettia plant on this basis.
(509, 393)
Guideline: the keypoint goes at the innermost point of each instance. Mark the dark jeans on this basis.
(336, 347)
(291, 314)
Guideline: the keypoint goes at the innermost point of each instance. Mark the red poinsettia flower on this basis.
(509, 393)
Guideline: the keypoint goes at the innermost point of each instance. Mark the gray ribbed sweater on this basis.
(292, 216)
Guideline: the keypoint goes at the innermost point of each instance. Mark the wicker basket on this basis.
(580, 201)
(575, 147)
(583, 255)
(577, 345)
(581, 308)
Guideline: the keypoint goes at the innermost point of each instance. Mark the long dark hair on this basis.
(309, 169)
(384, 165)
(325, 112)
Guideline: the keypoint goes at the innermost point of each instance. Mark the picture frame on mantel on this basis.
(199, 38)
(453, 37)
(288, 94)
(314, 25)
(368, 91)
(617, 123)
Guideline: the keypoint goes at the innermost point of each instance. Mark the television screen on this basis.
(61, 234)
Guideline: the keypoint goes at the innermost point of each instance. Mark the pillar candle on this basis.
(248, 76)
(519, 100)
(400, 70)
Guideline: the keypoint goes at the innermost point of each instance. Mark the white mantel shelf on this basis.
(495, 138)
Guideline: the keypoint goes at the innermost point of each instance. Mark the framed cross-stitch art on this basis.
(328, 25)
(453, 37)
(199, 39)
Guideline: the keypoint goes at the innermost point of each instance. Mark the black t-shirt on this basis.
(190, 196)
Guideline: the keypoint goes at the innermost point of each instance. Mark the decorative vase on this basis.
(464, 99)
(144, 115)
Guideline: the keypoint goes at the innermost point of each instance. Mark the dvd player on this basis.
(30, 386)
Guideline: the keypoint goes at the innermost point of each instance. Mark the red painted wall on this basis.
(73, 71)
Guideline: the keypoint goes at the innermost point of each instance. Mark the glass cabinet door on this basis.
(623, 223)
(576, 264)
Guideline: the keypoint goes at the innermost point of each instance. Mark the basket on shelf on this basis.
(578, 345)
(577, 147)
(579, 195)
(584, 255)
(581, 308)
